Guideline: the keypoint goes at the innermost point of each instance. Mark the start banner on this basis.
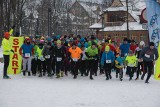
(157, 67)
(15, 58)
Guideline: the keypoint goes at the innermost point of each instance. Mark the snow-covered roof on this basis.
(132, 26)
(96, 26)
(135, 8)
(88, 9)
(116, 9)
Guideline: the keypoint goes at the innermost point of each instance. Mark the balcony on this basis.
(114, 23)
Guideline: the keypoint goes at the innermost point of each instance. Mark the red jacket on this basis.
(133, 47)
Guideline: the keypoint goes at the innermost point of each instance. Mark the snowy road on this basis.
(65, 92)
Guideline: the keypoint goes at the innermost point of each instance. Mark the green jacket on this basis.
(92, 52)
(90, 42)
(6, 47)
(39, 52)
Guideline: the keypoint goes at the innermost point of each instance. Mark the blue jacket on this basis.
(27, 48)
(124, 48)
(85, 44)
(107, 56)
(120, 60)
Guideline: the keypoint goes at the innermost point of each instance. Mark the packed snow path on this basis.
(32, 91)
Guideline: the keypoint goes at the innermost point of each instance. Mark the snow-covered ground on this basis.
(1, 55)
(65, 92)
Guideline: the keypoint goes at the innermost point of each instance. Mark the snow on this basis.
(137, 9)
(1, 55)
(88, 9)
(132, 26)
(96, 25)
(27, 91)
(116, 9)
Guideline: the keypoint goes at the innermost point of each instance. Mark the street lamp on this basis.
(127, 20)
(103, 23)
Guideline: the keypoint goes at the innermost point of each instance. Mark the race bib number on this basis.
(148, 56)
(108, 61)
(59, 59)
(131, 65)
(75, 59)
(27, 55)
(47, 56)
(35, 57)
(41, 58)
(125, 54)
(95, 58)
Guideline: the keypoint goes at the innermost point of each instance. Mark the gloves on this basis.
(12, 51)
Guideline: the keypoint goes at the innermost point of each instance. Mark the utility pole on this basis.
(128, 35)
(37, 28)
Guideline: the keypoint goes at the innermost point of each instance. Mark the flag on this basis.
(15, 62)
(153, 17)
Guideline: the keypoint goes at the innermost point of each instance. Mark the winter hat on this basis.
(142, 43)
(106, 41)
(151, 43)
(92, 37)
(82, 40)
(6, 35)
(41, 41)
(59, 42)
(27, 38)
(130, 52)
(66, 44)
(49, 39)
(125, 39)
(42, 37)
(74, 44)
(58, 36)
(107, 48)
(75, 38)
(37, 36)
(71, 39)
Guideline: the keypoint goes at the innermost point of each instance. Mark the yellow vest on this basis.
(6, 47)
(132, 60)
(39, 52)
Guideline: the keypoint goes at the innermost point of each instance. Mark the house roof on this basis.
(89, 9)
(135, 9)
(116, 9)
(132, 26)
(96, 26)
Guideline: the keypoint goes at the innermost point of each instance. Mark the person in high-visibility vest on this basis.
(6, 53)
